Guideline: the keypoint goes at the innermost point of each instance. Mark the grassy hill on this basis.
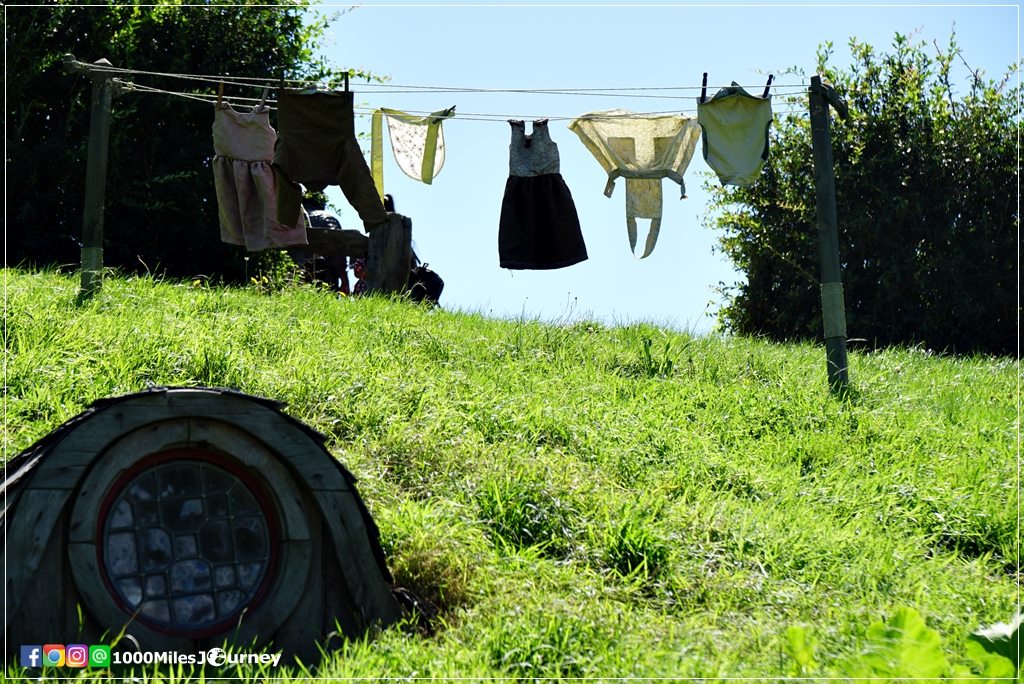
(580, 500)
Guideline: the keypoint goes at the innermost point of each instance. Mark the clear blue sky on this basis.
(455, 220)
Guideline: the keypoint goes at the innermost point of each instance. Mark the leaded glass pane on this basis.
(148, 514)
(155, 545)
(121, 556)
(156, 585)
(215, 541)
(224, 576)
(197, 609)
(159, 611)
(121, 516)
(184, 545)
(227, 601)
(131, 587)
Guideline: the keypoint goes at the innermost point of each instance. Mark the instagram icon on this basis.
(77, 655)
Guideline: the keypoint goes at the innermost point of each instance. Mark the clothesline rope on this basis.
(248, 80)
(362, 110)
(610, 92)
(463, 89)
(200, 97)
(260, 82)
(462, 116)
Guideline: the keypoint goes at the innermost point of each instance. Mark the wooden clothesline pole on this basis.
(103, 85)
(833, 311)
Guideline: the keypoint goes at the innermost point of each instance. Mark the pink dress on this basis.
(244, 179)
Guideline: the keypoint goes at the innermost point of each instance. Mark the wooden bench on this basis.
(387, 250)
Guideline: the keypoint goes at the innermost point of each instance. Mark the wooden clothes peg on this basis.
(220, 93)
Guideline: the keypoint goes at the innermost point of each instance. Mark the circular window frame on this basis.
(217, 459)
(129, 455)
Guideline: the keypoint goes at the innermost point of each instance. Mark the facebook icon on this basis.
(30, 656)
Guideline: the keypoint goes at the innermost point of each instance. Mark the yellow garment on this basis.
(643, 149)
(417, 142)
(735, 126)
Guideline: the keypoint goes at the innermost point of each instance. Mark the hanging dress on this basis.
(539, 227)
(735, 126)
(243, 145)
(643, 149)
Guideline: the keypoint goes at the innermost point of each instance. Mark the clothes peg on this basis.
(768, 85)
(263, 100)
(704, 87)
(447, 113)
(346, 81)
(220, 93)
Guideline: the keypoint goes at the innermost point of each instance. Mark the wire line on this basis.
(259, 82)
(364, 110)
(573, 90)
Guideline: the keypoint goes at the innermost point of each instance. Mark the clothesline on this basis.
(539, 227)
(258, 82)
(604, 93)
(365, 110)
(470, 116)
(794, 89)
(572, 91)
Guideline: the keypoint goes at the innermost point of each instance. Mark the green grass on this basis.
(579, 500)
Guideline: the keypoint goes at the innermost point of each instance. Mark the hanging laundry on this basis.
(643, 149)
(735, 126)
(416, 141)
(539, 227)
(243, 143)
(316, 146)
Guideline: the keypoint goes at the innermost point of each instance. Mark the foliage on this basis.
(565, 517)
(526, 513)
(1002, 639)
(653, 367)
(925, 184)
(631, 545)
(161, 211)
(902, 648)
(429, 557)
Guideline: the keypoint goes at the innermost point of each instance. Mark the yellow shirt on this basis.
(735, 126)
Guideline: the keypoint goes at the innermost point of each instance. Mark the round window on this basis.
(186, 541)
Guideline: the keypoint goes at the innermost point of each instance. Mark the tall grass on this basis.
(577, 500)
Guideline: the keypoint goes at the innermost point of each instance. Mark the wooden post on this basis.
(832, 308)
(389, 255)
(95, 172)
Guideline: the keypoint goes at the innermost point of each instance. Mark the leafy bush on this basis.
(924, 182)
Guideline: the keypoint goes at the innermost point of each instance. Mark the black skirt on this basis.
(539, 228)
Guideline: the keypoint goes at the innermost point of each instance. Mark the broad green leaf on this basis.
(904, 647)
(1002, 639)
(800, 647)
(990, 665)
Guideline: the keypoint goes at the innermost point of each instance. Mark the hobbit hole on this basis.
(188, 518)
